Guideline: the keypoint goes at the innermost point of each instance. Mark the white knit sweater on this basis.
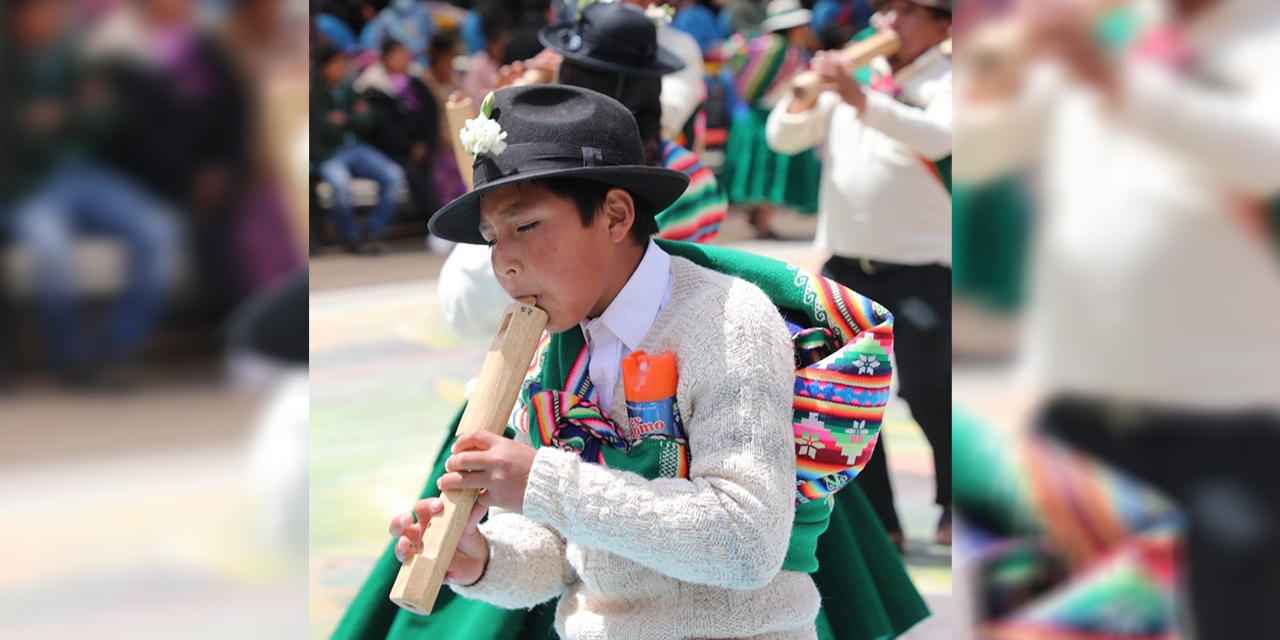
(673, 558)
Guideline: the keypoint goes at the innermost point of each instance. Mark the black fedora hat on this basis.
(560, 131)
(612, 36)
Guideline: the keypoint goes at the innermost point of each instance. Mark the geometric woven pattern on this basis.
(842, 384)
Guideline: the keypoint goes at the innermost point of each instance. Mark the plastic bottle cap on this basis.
(649, 378)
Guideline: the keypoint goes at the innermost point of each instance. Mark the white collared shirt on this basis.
(1145, 284)
(619, 330)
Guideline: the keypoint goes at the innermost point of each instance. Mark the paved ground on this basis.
(387, 374)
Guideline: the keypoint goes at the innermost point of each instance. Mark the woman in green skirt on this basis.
(755, 175)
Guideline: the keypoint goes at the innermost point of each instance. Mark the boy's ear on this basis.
(620, 211)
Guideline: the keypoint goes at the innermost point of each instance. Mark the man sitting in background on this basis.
(339, 118)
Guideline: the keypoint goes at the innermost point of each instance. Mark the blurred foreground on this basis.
(151, 247)
(1118, 274)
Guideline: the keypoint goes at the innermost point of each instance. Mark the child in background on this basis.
(339, 121)
(406, 120)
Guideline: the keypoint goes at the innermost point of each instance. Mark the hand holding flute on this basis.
(836, 74)
(856, 54)
(485, 469)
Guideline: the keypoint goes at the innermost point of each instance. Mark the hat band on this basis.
(621, 53)
(536, 157)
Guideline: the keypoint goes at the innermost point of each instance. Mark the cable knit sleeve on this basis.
(527, 564)
(729, 524)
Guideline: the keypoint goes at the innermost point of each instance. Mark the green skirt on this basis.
(990, 237)
(755, 174)
(860, 572)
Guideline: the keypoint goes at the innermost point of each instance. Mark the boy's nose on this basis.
(506, 265)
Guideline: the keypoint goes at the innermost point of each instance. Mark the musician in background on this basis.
(1155, 282)
(884, 212)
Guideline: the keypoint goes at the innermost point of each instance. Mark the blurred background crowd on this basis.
(384, 69)
(152, 315)
(1115, 352)
(150, 183)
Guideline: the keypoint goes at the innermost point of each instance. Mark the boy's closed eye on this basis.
(520, 229)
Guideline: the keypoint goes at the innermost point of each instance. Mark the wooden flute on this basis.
(490, 406)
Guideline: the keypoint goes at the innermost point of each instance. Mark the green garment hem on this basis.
(861, 571)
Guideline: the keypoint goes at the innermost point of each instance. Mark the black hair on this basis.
(441, 43)
(639, 94)
(535, 6)
(939, 14)
(495, 22)
(834, 36)
(390, 44)
(325, 54)
(589, 196)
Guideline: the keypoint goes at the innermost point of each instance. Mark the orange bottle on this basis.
(650, 386)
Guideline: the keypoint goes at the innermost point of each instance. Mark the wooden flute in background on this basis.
(458, 109)
(885, 43)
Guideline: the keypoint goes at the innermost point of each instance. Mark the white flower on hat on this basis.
(662, 13)
(482, 134)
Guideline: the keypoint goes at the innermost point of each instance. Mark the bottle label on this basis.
(645, 419)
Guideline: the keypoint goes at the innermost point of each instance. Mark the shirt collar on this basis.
(637, 305)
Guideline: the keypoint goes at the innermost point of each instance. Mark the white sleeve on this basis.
(469, 293)
(791, 133)
(1235, 138)
(926, 131)
(991, 140)
(683, 90)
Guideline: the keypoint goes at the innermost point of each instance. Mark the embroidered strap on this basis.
(567, 422)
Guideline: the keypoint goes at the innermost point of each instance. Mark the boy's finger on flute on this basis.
(409, 532)
(498, 465)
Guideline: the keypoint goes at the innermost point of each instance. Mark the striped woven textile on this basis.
(698, 214)
(1129, 594)
(760, 63)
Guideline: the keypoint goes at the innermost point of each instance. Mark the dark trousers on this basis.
(422, 189)
(1223, 470)
(919, 297)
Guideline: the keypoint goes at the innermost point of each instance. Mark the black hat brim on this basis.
(553, 37)
(659, 188)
